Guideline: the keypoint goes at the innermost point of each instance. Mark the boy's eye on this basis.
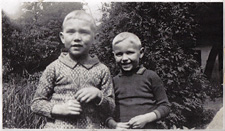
(84, 31)
(118, 54)
(130, 52)
(70, 31)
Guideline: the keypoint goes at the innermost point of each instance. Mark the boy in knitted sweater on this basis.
(139, 93)
(75, 91)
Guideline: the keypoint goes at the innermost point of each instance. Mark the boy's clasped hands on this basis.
(136, 122)
(73, 106)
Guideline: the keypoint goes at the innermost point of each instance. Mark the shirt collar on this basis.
(88, 64)
(140, 71)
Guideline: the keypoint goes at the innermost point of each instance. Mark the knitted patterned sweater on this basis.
(59, 83)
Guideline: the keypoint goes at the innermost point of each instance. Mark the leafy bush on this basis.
(167, 31)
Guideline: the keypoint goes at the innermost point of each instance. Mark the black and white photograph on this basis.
(112, 65)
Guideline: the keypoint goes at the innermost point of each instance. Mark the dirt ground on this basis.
(215, 106)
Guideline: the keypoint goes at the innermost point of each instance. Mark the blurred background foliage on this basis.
(168, 31)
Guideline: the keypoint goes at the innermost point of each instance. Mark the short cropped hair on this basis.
(127, 35)
(81, 15)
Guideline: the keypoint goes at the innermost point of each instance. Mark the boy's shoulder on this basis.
(102, 66)
(54, 63)
(148, 71)
(142, 71)
(150, 74)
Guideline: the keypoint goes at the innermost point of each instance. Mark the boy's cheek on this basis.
(117, 61)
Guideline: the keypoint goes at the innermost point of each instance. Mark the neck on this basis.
(80, 58)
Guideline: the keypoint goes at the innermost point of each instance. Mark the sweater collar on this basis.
(88, 64)
(139, 71)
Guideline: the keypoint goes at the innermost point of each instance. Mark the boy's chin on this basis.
(128, 68)
(77, 53)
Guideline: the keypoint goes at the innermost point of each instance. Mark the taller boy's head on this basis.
(78, 30)
(127, 50)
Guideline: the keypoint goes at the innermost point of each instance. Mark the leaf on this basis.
(180, 69)
(169, 75)
(169, 82)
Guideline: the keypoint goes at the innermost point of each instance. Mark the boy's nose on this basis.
(124, 58)
(77, 37)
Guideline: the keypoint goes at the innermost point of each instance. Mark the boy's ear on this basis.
(62, 37)
(142, 50)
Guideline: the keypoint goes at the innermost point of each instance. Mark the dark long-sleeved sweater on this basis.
(139, 92)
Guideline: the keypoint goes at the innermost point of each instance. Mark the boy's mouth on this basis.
(126, 67)
(77, 45)
(125, 63)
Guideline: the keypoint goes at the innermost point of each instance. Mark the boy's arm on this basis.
(40, 103)
(163, 105)
(107, 103)
(111, 123)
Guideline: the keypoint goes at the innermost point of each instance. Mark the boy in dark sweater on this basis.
(139, 93)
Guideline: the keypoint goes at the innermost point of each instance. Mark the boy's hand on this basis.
(138, 121)
(122, 125)
(87, 94)
(71, 107)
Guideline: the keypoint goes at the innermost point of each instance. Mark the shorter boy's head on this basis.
(78, 31)
(127, 50)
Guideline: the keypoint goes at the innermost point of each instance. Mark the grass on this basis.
(17, 97)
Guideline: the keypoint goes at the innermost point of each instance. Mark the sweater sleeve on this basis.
(41, 102)
(163, 105)
(107, 104)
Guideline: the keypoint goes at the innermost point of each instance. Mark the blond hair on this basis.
(125, 35)
(81, 15)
